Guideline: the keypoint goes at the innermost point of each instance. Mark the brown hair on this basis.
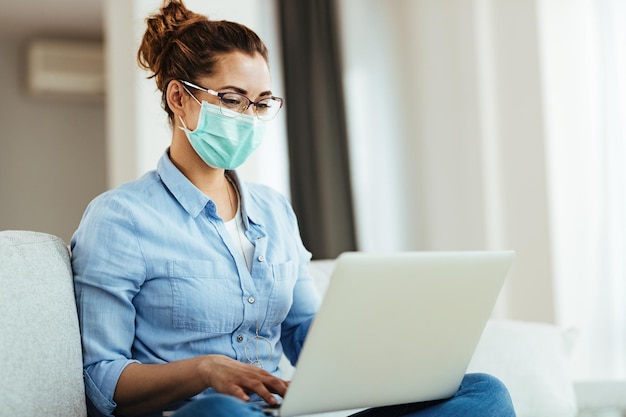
(181, 44)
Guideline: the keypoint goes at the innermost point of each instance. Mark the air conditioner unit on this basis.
(66, 68)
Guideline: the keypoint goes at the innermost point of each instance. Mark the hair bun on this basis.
(162, 28)
(174, 13)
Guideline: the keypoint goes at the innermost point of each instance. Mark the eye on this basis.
(233, 100)
(265, 105)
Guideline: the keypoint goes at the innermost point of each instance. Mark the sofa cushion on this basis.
(531, 359)
(40, 351)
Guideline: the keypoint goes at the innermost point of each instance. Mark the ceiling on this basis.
(45, 18)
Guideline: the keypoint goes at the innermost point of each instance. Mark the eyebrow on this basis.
(244, 92)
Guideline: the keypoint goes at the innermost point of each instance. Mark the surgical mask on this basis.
(224, 142)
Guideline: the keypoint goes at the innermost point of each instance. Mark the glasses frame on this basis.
(220, 96)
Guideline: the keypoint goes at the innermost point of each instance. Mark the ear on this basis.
(176, 97)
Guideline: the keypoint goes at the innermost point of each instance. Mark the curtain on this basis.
(585, 77)
(316, 128)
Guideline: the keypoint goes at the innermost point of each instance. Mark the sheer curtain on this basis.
(584, 66)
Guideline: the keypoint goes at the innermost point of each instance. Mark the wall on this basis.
(51, 153)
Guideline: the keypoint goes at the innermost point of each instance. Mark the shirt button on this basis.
(251, 300)
(240, 338)
(261, 258)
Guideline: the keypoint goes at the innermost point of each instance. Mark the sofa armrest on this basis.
(40, 349)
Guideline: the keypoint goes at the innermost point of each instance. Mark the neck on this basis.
(209, 180)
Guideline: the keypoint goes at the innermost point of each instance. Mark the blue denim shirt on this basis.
(158, 278)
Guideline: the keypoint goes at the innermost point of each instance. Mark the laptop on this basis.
(394, 329)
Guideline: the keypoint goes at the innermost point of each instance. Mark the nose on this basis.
(250, 111)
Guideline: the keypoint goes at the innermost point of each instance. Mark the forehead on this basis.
(236, 69)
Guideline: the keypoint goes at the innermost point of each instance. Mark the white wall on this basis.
(51, 153)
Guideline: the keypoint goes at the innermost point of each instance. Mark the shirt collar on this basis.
(192, 199)
(188, 195)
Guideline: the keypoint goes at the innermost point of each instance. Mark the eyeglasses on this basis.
(234, 105)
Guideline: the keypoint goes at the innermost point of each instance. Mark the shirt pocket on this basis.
(284, 276)
(206, 297)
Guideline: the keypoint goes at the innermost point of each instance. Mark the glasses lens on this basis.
(233, 104)
(268, 108)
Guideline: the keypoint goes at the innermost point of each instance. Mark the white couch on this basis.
(40, 352)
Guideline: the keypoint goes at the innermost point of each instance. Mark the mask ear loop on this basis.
(189, 92)
(184, 128)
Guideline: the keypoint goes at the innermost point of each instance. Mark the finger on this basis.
(262, 391)
(277, 386)
(237, 392)
(274, 384)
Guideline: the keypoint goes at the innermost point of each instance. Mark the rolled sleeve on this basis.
(107, 275)
(100, 378)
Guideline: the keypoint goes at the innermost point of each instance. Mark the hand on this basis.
(228, 376)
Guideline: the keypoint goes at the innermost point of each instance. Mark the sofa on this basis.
(41, 364)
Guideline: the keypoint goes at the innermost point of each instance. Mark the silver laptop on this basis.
(395, 329)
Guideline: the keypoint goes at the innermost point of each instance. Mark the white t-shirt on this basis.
(236, 229)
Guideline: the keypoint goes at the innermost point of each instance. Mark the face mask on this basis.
(224, 142)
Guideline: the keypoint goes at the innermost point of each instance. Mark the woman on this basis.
(191, 284)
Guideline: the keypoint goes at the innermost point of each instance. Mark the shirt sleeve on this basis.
(108, 271)
(306, 299)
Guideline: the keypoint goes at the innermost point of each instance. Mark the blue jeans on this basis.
(479, 395)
